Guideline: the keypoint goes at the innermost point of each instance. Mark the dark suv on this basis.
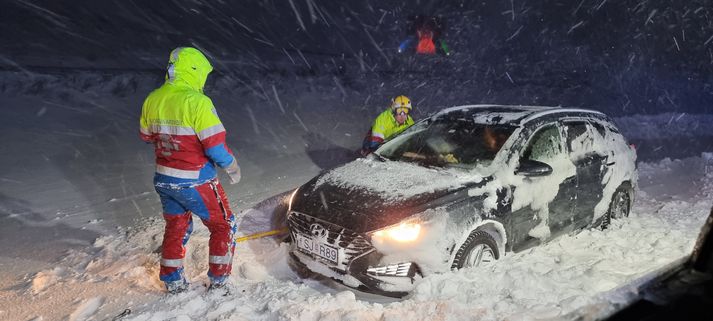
(459, 189)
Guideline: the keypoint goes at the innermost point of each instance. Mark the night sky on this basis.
(621, 57)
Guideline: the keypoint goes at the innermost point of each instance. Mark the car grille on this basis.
(352, 244)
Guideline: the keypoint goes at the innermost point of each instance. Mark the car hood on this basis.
(367, 195)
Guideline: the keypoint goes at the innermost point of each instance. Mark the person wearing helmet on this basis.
(189, 142)
(388, 124)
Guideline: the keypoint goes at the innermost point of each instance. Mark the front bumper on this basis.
(394, 281)
(359, 266)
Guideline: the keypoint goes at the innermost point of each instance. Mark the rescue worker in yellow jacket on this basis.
(388, 124)
(189, 142)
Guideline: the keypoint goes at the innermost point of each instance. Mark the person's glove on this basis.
(233, 171)
(449, 158)
(372, 146)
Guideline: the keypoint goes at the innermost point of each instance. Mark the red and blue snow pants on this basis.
(209, 202)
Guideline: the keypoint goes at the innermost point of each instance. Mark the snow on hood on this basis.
(396, 180)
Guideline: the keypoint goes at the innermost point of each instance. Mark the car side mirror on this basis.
(530, 167)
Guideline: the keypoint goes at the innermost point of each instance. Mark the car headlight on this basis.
(404, 232)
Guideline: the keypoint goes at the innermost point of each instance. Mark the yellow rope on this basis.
(260, 234)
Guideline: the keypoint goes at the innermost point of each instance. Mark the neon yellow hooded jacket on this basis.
(183, 124)
(385, 126)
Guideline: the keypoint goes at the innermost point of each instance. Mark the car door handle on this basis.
(607, 162)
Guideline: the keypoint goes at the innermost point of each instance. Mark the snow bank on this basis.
(581, 271)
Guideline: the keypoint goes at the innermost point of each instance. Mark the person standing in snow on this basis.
(388, 124)
(189, 142)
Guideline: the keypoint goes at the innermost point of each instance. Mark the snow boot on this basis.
(223, 288)
(175, 287)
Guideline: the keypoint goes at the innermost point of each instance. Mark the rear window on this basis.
(601, 129)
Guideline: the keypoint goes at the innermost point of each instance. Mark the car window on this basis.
(545, 144)
(599, 128)
(579, 139)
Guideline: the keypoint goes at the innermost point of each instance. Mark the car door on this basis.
(548, 200)
(589, 165)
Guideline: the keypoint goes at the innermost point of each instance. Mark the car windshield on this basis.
(448, 141)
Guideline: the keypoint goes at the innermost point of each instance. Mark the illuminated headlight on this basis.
(404, 232)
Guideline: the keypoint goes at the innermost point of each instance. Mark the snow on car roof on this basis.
(508, 114)
(561, 110)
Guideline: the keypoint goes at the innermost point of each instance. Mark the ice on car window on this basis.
(599, 128)
(545, 145)
(579, 140)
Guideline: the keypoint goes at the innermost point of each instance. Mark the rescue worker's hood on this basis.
(188, 67)
(342, 196)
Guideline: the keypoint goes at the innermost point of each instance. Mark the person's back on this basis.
(184, 126)
(189, 141)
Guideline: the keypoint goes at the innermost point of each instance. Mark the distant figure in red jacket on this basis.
(424, 36)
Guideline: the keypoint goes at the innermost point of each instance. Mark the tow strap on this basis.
(261, 235)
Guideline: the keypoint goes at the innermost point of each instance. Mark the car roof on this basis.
(515, 115)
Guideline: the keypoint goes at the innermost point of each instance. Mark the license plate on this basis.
(318, 248)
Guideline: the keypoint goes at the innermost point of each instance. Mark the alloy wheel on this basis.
(620, 205)
(481, 255)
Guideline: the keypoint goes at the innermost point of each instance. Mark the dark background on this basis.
(621, 57)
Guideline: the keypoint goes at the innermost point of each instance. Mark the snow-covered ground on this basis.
(579, 273)
(80, 223)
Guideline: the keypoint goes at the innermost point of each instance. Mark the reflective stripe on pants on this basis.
(226, 259)
(210, 203)
(172, 263)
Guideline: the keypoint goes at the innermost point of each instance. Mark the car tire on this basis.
(480, 248)
(619, 206)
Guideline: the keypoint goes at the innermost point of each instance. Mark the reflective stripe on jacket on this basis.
(385, 126)
(183, 124)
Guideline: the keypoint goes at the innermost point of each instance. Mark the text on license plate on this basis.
(318, 248)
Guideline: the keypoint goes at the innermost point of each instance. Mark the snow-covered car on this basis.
(460, 189)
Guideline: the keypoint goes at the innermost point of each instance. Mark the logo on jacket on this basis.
(317, 230)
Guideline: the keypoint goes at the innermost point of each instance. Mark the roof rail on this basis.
(560, 110)
(523, 107)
